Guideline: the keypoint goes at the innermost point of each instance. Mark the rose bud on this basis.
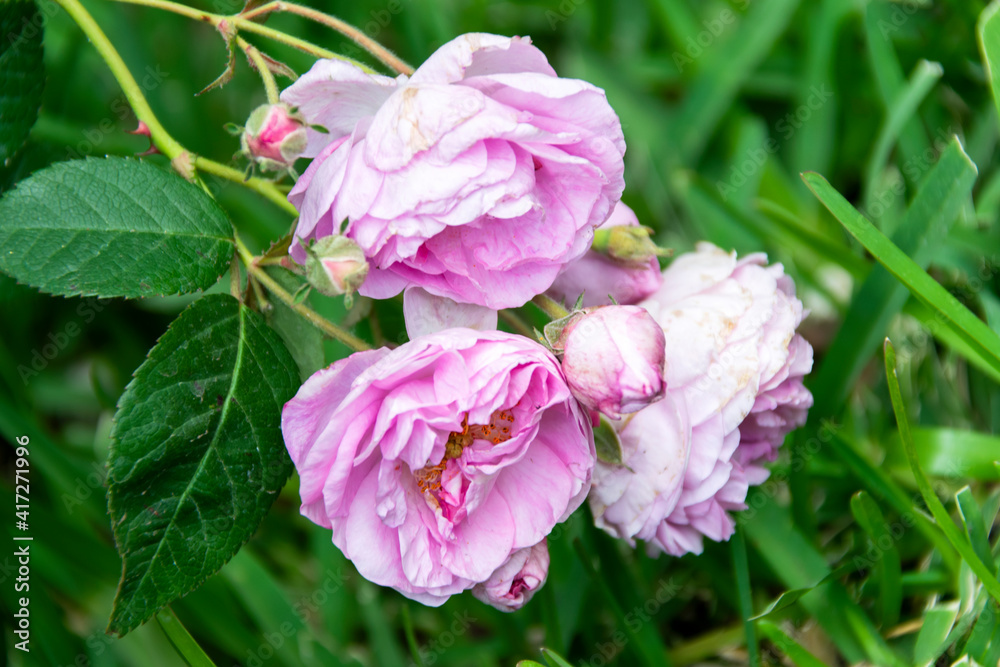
(621, 263)
(613, 359)
(514, 582)
(335, 265)
(275, 136)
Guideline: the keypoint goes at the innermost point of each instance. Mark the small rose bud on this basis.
(275, 136)
(627, 246)
(335, 265)
(514, 582)
(613, 358)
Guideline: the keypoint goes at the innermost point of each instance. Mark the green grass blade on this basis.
(880, 298)
(798, 564)
(988, 34)
(975, 528)
(953, 314)
(887, 561)
(742, 571)
(711, 94)
(933, 634)
(182, 640)
(879, 483)
(798, 655)
(554, 659)
(937, 509)
(902, 109)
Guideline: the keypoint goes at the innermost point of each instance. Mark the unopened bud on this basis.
(335, 265)
(613, 358)
(628, 246)
(275, 136)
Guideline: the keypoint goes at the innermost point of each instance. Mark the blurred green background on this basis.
(723, 104)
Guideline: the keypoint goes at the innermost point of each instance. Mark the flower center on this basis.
(498, 430)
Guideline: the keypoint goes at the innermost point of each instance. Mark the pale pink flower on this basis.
(478, 178)
(734, 370)
(435, 462)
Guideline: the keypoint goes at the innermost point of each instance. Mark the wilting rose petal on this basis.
(515, 582)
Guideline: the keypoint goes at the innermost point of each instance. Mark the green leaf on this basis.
(741, 570)
(937, 509)
(881, 297)
(988, 32)
(22, 74)
(112, 227)
(790, 597)
(609, 446)
(197, 455)
(952, 313)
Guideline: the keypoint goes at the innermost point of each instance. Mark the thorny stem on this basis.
(158, 135)
(254, 54)
(240, 22)
(324, 325)
(357, 36)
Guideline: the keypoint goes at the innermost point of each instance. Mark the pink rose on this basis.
(435, 462)
(734, 369)
(613, 359)
(478, 178)
(596, 275)
(515, 582)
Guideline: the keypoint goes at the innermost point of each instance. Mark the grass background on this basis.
(723, 105)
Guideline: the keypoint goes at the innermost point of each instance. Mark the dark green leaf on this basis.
(884, 552)
(197, 455)
(975, 528)
(22, 74)
(112, 227)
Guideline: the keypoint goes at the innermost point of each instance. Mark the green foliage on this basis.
(197, 457)
(112, 227)
(22, 74)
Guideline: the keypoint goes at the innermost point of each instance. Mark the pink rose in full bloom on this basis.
(514, 582)
(434, 463)
(596, 275)
(734, 370)
(477, 178)
(613, 359)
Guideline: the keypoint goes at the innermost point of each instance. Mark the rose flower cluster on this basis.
(479, 183)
